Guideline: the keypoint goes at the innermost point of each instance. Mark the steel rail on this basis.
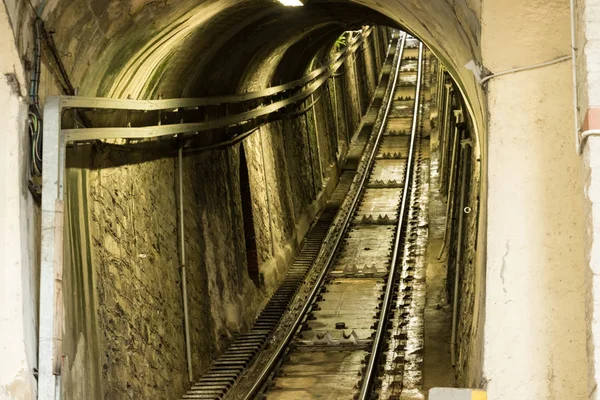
(371, 369)
(270, 365)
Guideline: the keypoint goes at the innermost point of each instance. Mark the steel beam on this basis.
(51, 252)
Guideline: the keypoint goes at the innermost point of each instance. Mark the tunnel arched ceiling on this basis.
(142, 48)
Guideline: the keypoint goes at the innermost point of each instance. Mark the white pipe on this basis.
(584, 136)
(186, 318)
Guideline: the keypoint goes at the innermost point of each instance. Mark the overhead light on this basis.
(291, 3)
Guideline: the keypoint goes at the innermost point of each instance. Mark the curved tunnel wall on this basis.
(129, 49)
(143, 49)
(102, 44)
(130, 199)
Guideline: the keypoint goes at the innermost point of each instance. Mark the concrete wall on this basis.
(534, 325)
(19, 270)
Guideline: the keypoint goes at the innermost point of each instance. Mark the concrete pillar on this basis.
(18, 280)
(591, 161)
(445, 138)
(534, 329)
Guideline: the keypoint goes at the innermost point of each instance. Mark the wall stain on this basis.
(13, 83)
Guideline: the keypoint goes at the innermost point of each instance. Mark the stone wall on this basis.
(461, 243)
(134, 232)
(132, 203)
(470, 326)
(298, 159)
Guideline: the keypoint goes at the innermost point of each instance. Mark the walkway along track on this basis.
(265, 338)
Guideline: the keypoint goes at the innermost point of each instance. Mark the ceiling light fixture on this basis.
(291, 3)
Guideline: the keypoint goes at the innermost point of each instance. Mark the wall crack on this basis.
(503, 268)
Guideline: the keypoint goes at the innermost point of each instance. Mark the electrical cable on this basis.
(35, 129)
(227, 143)
(527, 68)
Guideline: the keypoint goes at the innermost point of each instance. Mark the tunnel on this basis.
(182, 164)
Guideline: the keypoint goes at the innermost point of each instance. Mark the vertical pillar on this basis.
(356, 77)
(453, 138)
(444, 118)
(316, 123)
(440, 87)
(52, 247)
(333, 105)
(261, 133)
(588, 54)
(335, 110)
(534, 300)
(344, 91)
(310, 155)
(18, 275)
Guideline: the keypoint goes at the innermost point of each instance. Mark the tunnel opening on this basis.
(252, 263)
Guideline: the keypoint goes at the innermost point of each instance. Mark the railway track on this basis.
(324, 332)
(343, 343)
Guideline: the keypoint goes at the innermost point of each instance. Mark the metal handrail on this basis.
(270, 365)
(371, 370)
